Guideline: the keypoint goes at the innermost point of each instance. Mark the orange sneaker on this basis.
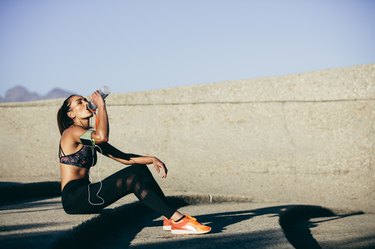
(167, 224)
(189, 225)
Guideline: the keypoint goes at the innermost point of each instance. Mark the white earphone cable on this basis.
(100, 181)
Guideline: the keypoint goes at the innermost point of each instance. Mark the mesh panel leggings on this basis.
(135, 179)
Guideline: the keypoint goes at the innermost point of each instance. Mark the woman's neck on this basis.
(85, 123)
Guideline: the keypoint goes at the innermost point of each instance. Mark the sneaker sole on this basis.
(189, 232)
(167, 228)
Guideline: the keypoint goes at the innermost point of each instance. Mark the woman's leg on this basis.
(150, 180)
(135, 179)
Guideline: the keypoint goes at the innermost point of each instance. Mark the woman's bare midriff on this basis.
(71, 172)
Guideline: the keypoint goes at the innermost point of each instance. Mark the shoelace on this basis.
(186, 216)
(193, 220)
(190, 217)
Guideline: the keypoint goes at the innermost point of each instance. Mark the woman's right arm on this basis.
(101, 133)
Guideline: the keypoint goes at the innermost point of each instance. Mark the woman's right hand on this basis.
(97, 99)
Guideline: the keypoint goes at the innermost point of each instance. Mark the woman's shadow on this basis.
(118, 227)
(296, 223)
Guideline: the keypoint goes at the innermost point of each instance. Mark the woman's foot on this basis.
(188, 225)
(167, 223)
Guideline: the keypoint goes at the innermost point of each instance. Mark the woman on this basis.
(77, 152)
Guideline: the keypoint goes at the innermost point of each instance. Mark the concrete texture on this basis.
(242, 224)
(306, 138)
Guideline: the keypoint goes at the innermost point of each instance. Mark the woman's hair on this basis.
(63, 120)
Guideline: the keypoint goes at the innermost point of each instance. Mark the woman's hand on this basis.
(159, 165)
(97, 99)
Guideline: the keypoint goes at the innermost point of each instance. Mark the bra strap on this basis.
(61, 150)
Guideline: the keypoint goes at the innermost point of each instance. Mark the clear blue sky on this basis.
(79, 45)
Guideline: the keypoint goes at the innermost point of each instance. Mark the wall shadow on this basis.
(258, 240)
(34, 240)
(11, 192)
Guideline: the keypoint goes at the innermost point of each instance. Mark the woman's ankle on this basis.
(177, 216)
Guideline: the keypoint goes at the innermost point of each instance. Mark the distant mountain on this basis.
(57, 93)
(20, 94)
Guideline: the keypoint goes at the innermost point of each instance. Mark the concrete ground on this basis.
(42, 223)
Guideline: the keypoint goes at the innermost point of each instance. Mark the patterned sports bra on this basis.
(84, 157)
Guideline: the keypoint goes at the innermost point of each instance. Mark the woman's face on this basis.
(78, 108)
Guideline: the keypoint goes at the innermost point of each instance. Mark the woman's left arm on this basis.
(128, 158)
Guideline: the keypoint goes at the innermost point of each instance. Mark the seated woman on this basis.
(77, 152)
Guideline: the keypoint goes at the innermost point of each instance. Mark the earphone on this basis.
(100, 181)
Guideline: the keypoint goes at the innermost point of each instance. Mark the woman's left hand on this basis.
(159, 165)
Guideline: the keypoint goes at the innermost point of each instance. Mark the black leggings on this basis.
(135, 179)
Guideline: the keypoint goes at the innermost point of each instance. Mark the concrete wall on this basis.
(305, 138)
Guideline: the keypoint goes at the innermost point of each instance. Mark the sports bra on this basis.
(84, 157)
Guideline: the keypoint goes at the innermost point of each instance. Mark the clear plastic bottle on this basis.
(104, 92)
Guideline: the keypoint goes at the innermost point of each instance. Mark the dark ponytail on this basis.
(63, 120)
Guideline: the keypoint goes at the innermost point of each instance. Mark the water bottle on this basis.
(104, 92)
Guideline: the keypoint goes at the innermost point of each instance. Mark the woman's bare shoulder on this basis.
(73, 133)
